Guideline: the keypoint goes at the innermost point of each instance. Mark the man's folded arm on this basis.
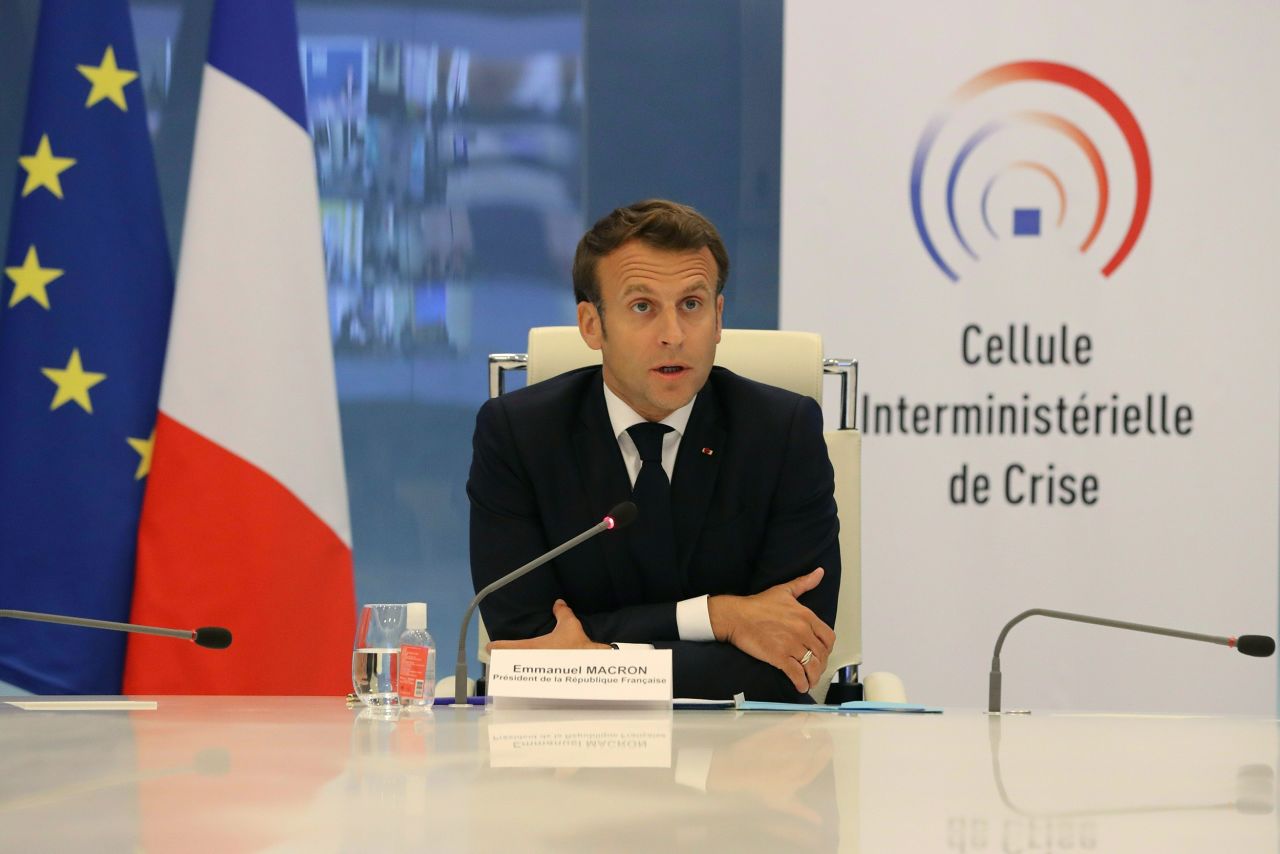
(803, 530)
(717, 671)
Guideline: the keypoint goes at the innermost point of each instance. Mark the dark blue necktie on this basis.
(653, 538)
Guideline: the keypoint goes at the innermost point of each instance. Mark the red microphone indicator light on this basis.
(621, 515)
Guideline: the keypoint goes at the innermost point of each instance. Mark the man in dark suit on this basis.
(733, 563)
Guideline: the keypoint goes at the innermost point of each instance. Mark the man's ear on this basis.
(590, 325)
(719, 316)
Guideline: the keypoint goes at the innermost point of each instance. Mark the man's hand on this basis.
(568, 634)
(775, 628)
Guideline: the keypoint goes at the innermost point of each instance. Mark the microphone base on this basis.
(843, 692)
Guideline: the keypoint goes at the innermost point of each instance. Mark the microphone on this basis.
(210, 637)
(1259, 646)
(620, 516)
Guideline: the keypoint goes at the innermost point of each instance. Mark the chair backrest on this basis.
(790, 360)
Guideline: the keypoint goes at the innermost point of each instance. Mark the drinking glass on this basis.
(375, 655)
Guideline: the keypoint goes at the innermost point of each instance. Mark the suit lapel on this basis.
(604, 479)
(694, 477)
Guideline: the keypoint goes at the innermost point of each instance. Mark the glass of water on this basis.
(376, 654)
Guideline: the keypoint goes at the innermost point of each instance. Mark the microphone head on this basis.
(621, 515)
(1260, 646)
(213, 637)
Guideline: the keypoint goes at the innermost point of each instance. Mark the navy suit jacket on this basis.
(752, 498)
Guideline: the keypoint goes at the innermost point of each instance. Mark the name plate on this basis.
(580, 678)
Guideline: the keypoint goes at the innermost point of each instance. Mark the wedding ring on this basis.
(808, 656)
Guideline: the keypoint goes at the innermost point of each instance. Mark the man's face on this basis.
(663, 320)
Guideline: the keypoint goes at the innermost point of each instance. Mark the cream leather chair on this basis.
(794, 361)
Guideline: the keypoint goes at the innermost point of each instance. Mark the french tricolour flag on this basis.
(244, 522)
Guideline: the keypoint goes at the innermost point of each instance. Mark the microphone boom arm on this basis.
(994, 678)
(460, 669)
(87, 623)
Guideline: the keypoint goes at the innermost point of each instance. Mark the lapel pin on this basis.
(708, 452)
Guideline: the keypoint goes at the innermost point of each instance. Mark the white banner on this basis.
(1046, 232)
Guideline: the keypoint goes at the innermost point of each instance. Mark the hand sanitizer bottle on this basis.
(416, 684)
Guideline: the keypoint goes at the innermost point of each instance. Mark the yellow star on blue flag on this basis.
(44, 169)
(108, 80)
(31, 280)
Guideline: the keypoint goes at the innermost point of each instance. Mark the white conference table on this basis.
(310, 774)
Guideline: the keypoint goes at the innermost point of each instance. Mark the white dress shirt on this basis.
(693, 618)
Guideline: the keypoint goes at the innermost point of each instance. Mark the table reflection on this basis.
(632, 778)
(309, 774)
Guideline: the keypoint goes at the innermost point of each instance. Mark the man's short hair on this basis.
(659, 223)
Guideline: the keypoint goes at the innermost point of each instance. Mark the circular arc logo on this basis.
(1048, 72)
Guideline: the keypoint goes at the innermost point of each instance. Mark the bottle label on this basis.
(413, 672)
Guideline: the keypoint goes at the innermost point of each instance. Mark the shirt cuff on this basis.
(631, 645)
(693, 620)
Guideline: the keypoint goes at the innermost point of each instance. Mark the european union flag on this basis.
(85, 295)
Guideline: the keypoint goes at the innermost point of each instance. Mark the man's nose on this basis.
(670, 329)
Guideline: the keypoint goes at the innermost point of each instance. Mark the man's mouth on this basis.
(671, 370)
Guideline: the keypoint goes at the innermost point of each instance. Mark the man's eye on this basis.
(640, 307)
(691, 304)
